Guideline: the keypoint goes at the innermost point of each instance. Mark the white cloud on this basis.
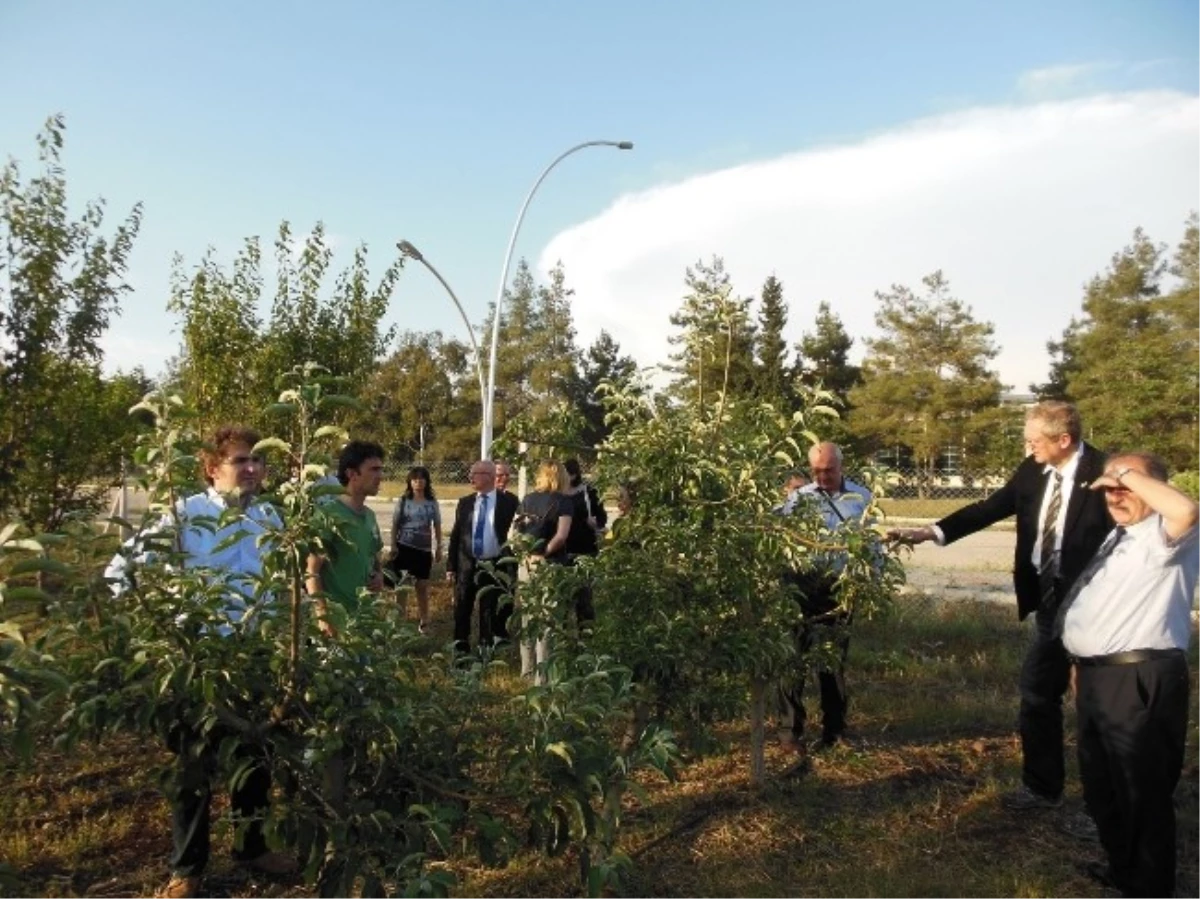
(1054, 81)
(1020, 206)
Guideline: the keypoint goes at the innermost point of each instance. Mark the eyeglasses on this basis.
(1115, 489)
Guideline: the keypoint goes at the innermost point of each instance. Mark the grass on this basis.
(907, 806)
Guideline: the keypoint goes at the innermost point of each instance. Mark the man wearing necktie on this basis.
(1060, 525)
(1126, 624)
(481, 523)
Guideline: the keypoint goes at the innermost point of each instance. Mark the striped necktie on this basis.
(1048, 563)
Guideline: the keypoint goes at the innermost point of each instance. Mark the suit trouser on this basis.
(471, 581)
(831, 679)
(1132, 733)
(190, 796)
(1044, 676)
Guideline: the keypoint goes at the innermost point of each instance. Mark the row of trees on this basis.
(925, 383)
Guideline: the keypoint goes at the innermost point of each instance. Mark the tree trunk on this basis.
(758, 729)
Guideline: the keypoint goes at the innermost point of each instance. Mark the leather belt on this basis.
(1131, 657)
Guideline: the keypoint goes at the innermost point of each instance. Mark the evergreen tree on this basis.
(823, 356)
(1130, 362)
(927, 376)
(602, 363)
(771, 350)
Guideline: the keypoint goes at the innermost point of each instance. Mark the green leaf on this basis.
(272, 443)
(331, 431)
(41, 563)
(562, 751)
(26, 594)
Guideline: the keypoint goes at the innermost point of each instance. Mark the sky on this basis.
(1014, 146)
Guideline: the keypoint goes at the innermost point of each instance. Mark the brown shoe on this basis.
(180, 887)
(275, 863)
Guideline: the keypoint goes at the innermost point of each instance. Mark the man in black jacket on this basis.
(1060, 525)
(481, 523)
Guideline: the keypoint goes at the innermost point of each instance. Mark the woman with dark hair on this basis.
(417, 536)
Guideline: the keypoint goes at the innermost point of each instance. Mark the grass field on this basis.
(908, 806)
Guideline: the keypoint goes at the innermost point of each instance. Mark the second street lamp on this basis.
(490, 396)
(407, 249)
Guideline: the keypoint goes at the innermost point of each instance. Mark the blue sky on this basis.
(431, 121)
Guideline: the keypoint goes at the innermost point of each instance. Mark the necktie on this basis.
(480, 524)
(1048, 564)
(1085, 576)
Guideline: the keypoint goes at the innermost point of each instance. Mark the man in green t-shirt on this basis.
(351, 537)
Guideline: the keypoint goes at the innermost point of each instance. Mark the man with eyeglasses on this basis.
(1126, 625)
(482, 520)
(223, 531)
(837, 500)
(1060, 525)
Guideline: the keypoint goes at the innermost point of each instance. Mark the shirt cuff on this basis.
(938, 536)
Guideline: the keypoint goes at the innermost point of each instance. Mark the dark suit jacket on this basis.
(461, 535)
(1087, 522)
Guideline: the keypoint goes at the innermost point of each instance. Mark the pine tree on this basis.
(927, 376)
(603, 362)
(823, 357)
(1130, 360)
(771, 350)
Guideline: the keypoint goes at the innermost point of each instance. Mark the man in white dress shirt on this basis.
(220, 531)
(1126, 626)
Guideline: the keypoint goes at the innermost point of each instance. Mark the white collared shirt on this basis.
(1068, 472)
(491, 546)
(1139, 598)
(231, 552)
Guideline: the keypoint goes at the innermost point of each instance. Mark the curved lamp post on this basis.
(407, 249)
(489, 404)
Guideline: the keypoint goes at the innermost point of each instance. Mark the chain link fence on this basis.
(900, 483)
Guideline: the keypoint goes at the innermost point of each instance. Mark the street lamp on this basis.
(490, 396)
(407, 249)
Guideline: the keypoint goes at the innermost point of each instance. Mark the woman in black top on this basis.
(545, 517)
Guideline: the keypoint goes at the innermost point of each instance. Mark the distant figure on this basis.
(838, 500)
(588, 521)
(503, 476)
(417, 536)
(1060, 525)
(481, 523)
(1126, 624)
(794, 481)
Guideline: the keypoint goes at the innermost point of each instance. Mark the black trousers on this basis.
(190, 795)
(1132, 733)
(1044, 676)
(831, 679)
(474, 586)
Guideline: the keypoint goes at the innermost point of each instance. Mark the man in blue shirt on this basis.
(837, 500)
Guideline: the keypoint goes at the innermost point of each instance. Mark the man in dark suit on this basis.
(1060, 525)
(481, 523)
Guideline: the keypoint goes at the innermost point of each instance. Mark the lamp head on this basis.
(625, 145)
(407, 249)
